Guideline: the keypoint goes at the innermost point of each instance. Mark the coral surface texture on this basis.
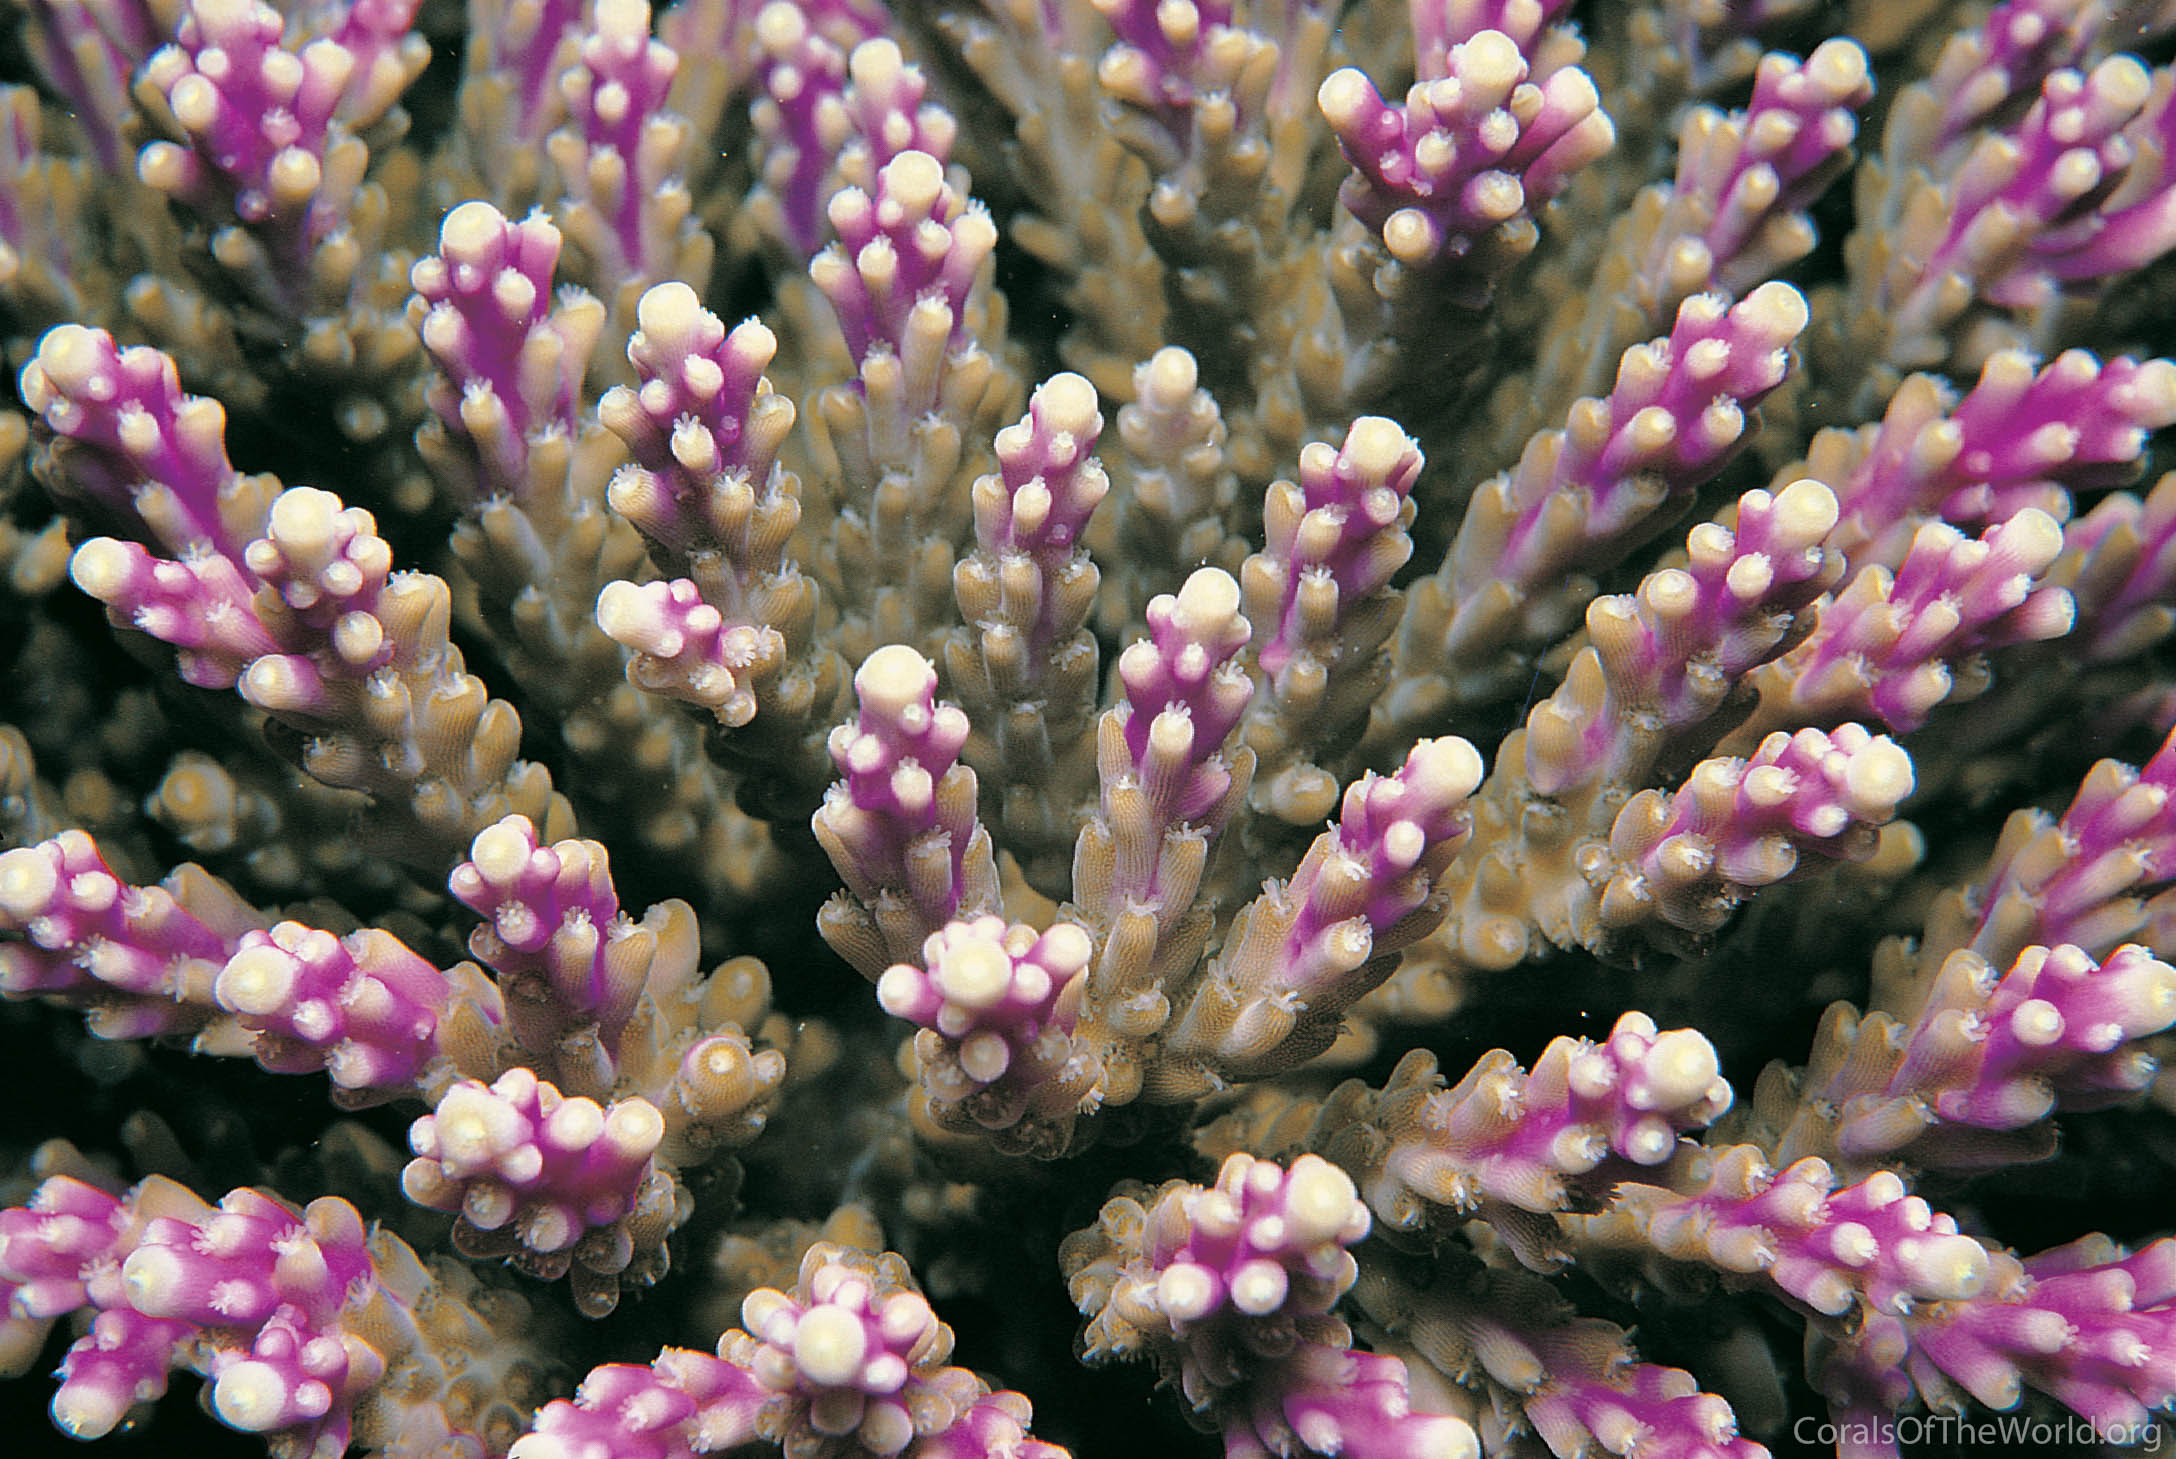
(1015, 729)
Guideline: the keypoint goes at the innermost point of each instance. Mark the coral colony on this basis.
(1024, 727)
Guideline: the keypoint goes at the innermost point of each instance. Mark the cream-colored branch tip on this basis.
(623, 613)
(2029, 541)
(1491, 61)
(305, 520)
(1321, 1205)
(103, 568)
(474, 229)
(1775, 314)
(1944, 1268)
(1838, 67)
(2126, 85)
(71, 361)
(1680, 1068)
(669, 316)
(1449, 768)
(877, 65)
(633, 1128)
(1939, 1266)
(1205, 610)
(621, 22)
(780, 26)
(1166, 381)
(973, 974)
(1345, 97)
(260, 979)
(896, 683)
(501, 851)
(315, 537)
(684, 647)
(829, 1346)
(1805, 512)
(1374, 447)
(473, 1129)
(974, 232)
(913, 182)
(1877, 778)
(28, 882)
(2149, 395)
(1067, 402)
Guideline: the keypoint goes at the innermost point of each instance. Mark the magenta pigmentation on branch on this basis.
(997, 729)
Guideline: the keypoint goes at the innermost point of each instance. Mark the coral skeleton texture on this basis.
(996, 729)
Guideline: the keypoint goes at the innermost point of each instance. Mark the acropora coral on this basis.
(987, 729)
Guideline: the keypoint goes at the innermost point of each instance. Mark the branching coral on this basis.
(1251, 657)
